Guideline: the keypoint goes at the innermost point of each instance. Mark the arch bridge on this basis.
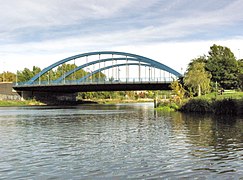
(99, 71)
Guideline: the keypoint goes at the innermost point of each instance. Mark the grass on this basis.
(19, 103)
(226, 95)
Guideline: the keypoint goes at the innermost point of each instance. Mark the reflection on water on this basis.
(117, 142)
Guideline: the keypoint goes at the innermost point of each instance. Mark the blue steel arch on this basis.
(108, 67)
(138, 57)
(88, 64)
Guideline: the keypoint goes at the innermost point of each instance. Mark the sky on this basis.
(41, 32)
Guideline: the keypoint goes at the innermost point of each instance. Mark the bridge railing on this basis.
(100, 81)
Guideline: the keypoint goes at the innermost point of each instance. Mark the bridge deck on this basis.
(95, 86)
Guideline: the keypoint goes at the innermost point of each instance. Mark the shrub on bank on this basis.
(224, 106)
(197, 105)
(167, 106)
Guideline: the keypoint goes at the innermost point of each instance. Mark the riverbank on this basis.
(20, 103)
(117, 101)
(226, 104)
(93, 101)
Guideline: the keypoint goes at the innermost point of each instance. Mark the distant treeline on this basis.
(27, 74)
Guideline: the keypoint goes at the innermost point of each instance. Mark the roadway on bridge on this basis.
(95, 86)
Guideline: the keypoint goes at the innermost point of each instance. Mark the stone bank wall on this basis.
(7, 92)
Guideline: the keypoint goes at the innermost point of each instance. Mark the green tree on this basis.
(27, 74)
(222, 64)
(240, 75)
(197, 78)
(178, 90)
(7, 77)
(64, 68)
(201, 59)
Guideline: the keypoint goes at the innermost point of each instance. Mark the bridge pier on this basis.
(50, 98)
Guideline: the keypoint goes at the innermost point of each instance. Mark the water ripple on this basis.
(116, 142)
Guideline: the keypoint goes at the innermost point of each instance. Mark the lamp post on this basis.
(3, 71)
(16, 78)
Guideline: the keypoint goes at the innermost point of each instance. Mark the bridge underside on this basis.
(66, 93)
(94, 87)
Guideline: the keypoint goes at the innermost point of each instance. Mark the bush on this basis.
(225, 106)
(167, 106)
(240, 106)
(197, 105)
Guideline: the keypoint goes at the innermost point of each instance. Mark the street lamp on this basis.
(17, 77)
(3, 71)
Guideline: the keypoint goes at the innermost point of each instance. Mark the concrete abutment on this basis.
(50, 98)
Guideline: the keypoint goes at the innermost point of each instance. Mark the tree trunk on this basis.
(199, 90)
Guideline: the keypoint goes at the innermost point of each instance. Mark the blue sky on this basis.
(41, 32)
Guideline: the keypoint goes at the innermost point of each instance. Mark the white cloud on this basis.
(34, 32)
(30, 13)
(174, 54)
(16, 15)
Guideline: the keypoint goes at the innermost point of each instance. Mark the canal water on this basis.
(124, 141)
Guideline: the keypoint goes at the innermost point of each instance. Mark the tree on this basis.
(7, 77)
(201, 59)
(27, 74)
(240, 75)
(222, 65)
(63, 69)
(178, 90)
(197, 78)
